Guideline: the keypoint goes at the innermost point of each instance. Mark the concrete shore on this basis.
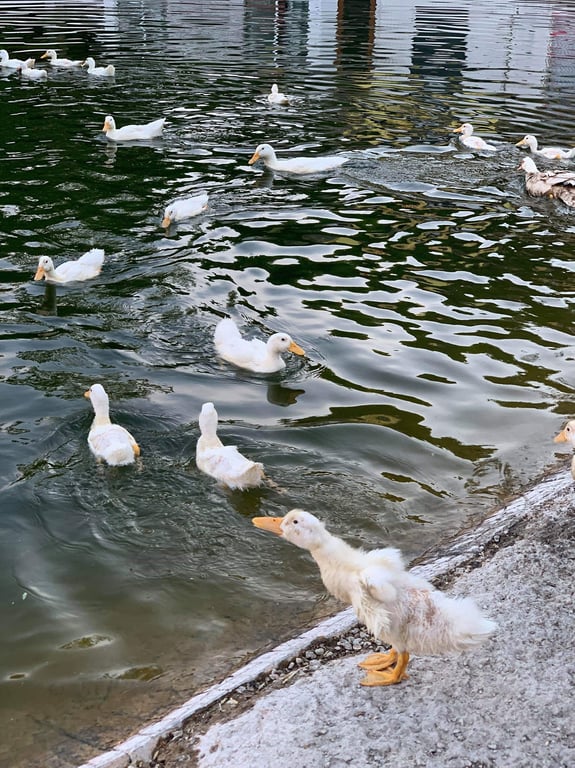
(508, 705)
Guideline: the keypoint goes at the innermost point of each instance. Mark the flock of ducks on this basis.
(27, 67)
(400, 609)
(559, 184)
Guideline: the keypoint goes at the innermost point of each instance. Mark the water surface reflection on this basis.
(427, 289)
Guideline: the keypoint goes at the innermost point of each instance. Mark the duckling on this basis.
(109, 442)
(470, 141)
(253, 354)
(224, 462)
(551, 153)
(556, 184)
(398, 607)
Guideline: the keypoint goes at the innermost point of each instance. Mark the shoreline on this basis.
(173, 739)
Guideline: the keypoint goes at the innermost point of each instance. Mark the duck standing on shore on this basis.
(398, 607)
(567, 435)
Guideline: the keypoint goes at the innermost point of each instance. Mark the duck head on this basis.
(45, 268)
(298, 527)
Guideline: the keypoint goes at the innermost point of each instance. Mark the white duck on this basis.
(55, 61)
(470, 141)
(87, 266)
(299, 165)
(109, 442)
(6, 61)
(224, 462)
(567, 435)
(555, 184)
(253, 354)
(551, 153)
(276, 97)
(186, 208)
(107, 71)
(28, 71)
(398, 607)
(133, 132)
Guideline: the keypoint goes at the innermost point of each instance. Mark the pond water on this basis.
(433, 298)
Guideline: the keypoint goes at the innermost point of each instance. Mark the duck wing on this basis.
(114, 444)
(304, 165)
(559, 178)
(233, 347)
(93, 258)
(230, 467)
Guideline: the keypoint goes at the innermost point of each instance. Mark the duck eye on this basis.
(295, 522)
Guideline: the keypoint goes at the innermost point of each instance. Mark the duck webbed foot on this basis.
(378, 661)
(390, 676)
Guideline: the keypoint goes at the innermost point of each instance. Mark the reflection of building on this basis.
(562, 49)
(469, 36)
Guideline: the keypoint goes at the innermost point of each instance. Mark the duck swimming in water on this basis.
(472, 142)
(556, 184)
(299, 165)
(224, 462)
(253, 354)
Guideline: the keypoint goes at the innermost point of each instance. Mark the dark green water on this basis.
(433, 298)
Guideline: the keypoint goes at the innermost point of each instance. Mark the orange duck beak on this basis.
(272, 524)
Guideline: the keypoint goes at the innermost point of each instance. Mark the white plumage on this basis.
(29, 71)
(276, 96)
(472, 142)
(567, 435)
(133, 132)
(253, 354)
(108, 71)
(87, 266)
(224, 462)
(56, 61)
(299, 165)
(186, 208)
(398, 607)
(6, 61)
(109, 442)
(551, 153)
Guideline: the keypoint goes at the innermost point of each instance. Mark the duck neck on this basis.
(101, 414)
(330, 550)
(336, 561)
(210, 440)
